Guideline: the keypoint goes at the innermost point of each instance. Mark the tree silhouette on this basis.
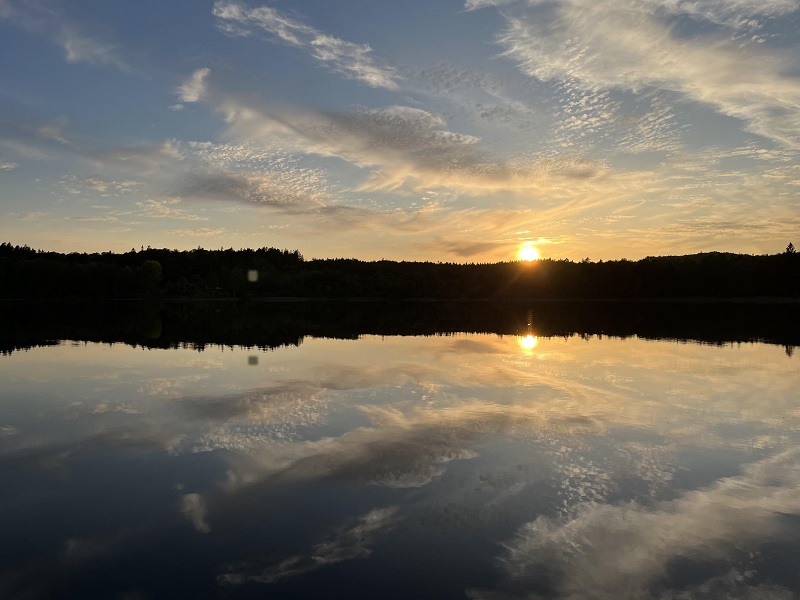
(25, 272)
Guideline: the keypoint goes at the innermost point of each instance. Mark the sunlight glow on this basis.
(528, 342)
(528, 253)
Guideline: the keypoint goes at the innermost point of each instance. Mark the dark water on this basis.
(350, 451)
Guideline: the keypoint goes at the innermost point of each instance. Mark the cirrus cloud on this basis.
(349, 59)
(630, 46)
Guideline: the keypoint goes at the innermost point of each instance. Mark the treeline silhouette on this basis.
(274, 273)
(269, 325)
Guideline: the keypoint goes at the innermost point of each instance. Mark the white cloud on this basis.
(96, 184)
(8, 166)
(236, 19)
(653, 130)
(193, 89)
(586, 115)
(483, 98)
(736, 14)
(76, 185)
(731, 13)
(628, 46)
(349, 59)
(476, 4)
(263, 189)
(407, 147)
(265, 173)
(352, 61)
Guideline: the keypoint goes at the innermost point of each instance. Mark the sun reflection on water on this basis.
(528, 342)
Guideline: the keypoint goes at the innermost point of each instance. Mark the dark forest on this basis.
(274, 273)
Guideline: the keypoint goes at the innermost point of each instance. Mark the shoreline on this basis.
(766, 300)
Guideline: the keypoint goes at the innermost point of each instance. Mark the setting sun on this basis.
(528, 253)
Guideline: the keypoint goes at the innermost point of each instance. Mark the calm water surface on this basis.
(459, 466)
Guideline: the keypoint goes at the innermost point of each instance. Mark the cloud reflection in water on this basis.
(603, 464)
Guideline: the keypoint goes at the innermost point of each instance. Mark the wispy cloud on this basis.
(35, 215)
(200, 232)
(584, 123)
(97, 218)
(46, 19)
(165, 210)
(653, 129)
(264, 189)
(735, 14)
(79, 47)
(194, 87)
(171, 386)
(346, 544)
(630, 47)
(36, 139)
(478, 95)
(142, 159)
(406, 147)
(349, 59)
(193, 506)
(736, 511)
(55, 131)
(467, 249)
(94, 184)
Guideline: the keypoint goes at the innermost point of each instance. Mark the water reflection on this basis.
(444, 467)
(528, 342)
(276, 324)
(622, 550)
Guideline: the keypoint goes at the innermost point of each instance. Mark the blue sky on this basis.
(445, 131)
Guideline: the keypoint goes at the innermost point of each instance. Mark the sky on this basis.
(419, 130)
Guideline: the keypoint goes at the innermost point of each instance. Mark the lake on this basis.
(368, 450)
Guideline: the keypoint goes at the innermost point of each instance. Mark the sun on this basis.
(528, 253)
